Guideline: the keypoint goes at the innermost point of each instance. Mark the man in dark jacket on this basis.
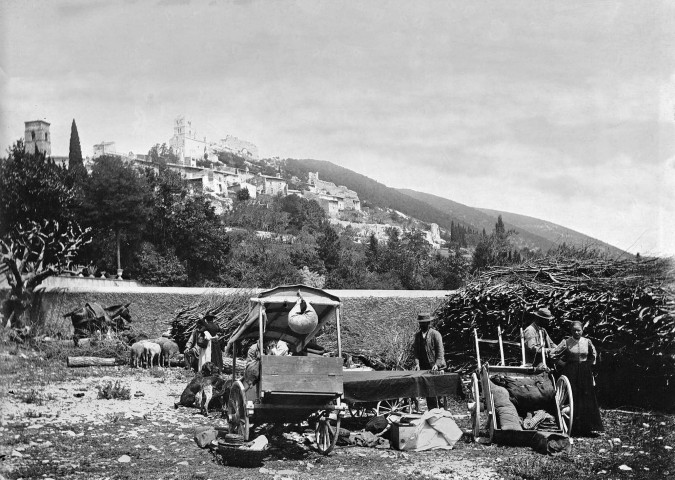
(428, 350)
(533, 336)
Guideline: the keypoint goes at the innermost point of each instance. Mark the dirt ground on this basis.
(53, 425)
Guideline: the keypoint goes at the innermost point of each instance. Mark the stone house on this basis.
(268, 185)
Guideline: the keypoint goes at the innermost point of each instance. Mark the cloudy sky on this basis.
(563, 111)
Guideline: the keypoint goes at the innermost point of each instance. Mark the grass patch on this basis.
(158, 373)
(641, 446)
(35, 397)
(113, 391)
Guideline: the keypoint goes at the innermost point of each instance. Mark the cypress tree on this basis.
(75, 162)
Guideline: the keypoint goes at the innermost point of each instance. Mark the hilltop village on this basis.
(224, 168)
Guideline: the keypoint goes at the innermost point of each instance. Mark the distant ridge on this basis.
(481, 220)
(533, 233)
(553, 232)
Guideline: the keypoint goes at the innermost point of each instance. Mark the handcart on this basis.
(290, 389)
(483, 399)
(395, 391)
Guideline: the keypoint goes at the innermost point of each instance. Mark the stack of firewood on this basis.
(625, 306)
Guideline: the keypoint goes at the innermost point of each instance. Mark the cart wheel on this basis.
(326, 432)
(475, 408)
(565, 401)
(398, 405)
(237, 417)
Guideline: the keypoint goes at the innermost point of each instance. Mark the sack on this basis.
(204, 436)
(302, 318)
(506, 412)
(528, 394)
(377, 424)
(551, 443)
(202, 342)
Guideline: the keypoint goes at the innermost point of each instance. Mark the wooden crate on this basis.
(293, 375)
(401, 433)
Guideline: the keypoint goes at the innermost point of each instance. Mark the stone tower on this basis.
(37, 136)
(185, 143)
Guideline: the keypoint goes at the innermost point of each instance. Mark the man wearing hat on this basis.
(534, 334)
(428, 350)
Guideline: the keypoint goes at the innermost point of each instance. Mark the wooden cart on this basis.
(293, 388)
(386, 392)
(483, 400)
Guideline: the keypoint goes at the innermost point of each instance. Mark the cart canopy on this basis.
(274, 306)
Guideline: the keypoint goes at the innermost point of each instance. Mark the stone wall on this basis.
(153, 308)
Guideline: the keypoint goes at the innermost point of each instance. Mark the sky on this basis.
(563, 111)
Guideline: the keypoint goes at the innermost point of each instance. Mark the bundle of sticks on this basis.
(229, 310)
(626, 306)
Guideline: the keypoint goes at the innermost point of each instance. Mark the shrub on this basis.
(113, 391)
(35, 397)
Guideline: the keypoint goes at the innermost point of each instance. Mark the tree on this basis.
(303, 213)
(349, 271)
(500, 231)
(156, 268)
(28, 255)
(161, 154)
(390, 254)
(311, 278)
(116, 198)
(414, 262)
(75, 163)
(199, 238)
(257, 217)
(255, 262)
(184, 226)
(243, 195)
(493, 249)
(231, 159)
(372, 253)
(450, 270)
(32, 189)
(329, 246)
(304, 252)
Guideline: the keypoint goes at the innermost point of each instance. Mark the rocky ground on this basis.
(54, 425)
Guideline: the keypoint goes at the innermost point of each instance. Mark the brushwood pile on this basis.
(627, 308)
(229, 310)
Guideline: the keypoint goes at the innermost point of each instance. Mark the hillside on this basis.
(373, 192)
(553, 232)
(532, 233)
(482, 220)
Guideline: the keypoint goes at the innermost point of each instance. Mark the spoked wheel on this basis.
(326, 432)
(237, 417)
(398, 405)
(565, 401)
(475, 407)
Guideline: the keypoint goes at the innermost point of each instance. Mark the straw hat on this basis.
(544, 313)
(423, 318)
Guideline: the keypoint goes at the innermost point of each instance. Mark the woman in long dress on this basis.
(212, 352)
(576, 355)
